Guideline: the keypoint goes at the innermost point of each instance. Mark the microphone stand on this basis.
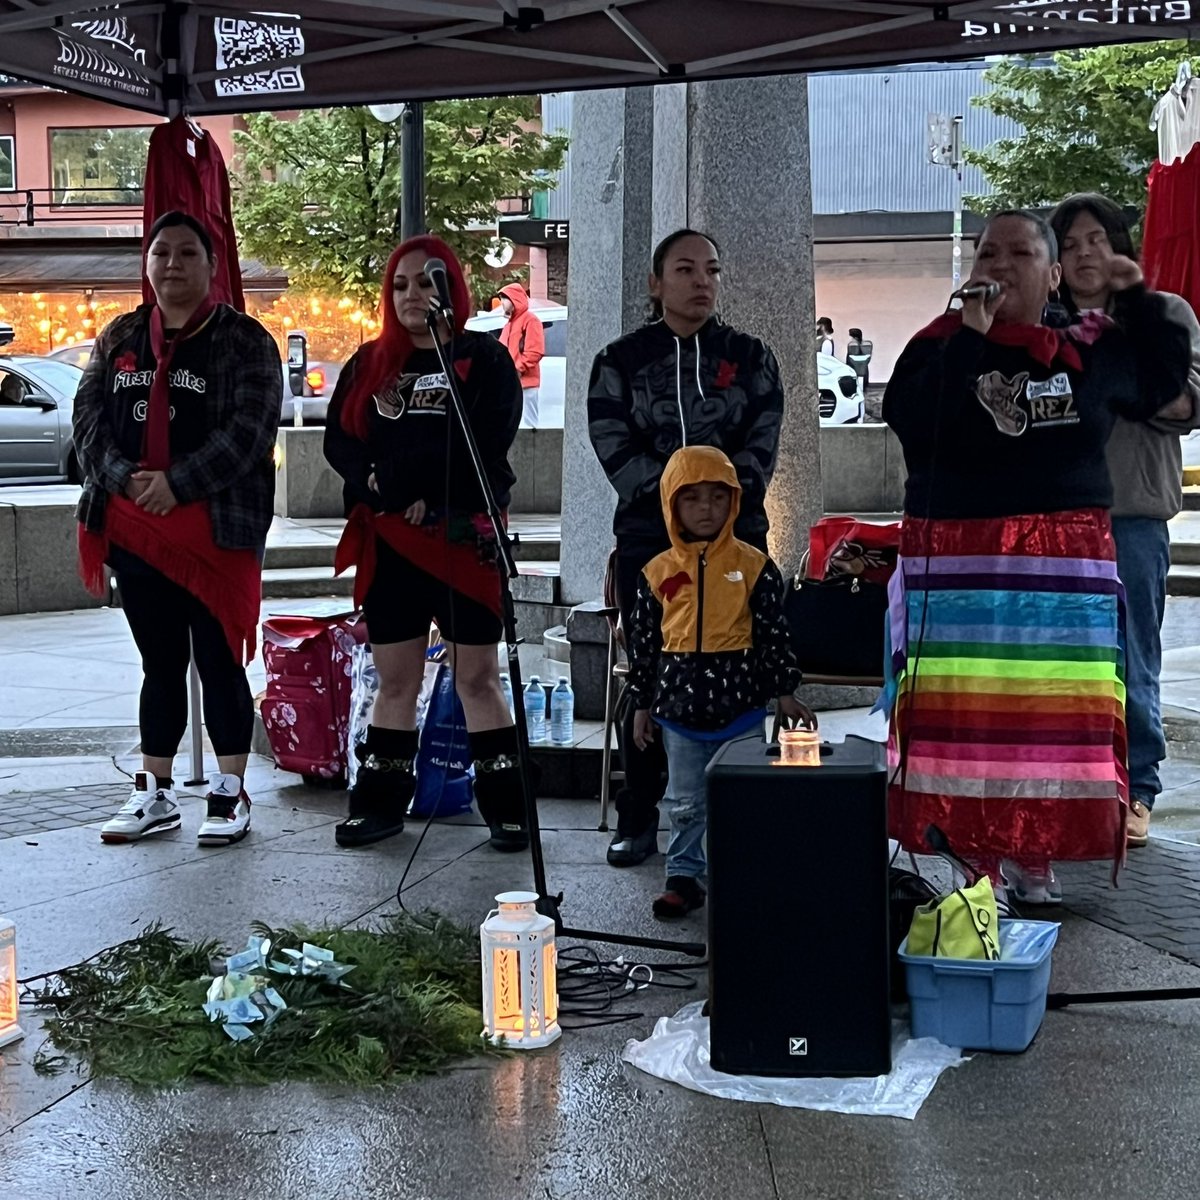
(547, 905)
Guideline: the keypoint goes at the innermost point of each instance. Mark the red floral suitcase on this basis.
(306, 706)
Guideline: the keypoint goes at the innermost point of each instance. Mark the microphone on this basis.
(986, 292)
(435, 271)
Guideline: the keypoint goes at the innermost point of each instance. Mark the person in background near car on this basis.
(684, 379)
(1146, 465)
(824, 336)
(858, 357)
(12, 390)
(1008, 715)
(175, 423)
(524, 338)
(421, 541)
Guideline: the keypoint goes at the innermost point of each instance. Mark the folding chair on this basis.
(615, 673)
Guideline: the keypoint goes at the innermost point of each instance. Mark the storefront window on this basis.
(99, 166)
(8, 179)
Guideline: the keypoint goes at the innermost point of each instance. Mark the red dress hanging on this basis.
(1171, 242)
(187, 173)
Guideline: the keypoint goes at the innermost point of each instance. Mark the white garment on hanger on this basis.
(1177, 118)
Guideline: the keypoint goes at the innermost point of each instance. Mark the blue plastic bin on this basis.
(976, 1004)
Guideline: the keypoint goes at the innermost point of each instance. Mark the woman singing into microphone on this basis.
(421, 540)
(1008, 726)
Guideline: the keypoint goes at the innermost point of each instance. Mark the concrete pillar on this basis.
(730, 159)
(611, 187)
(748, 184)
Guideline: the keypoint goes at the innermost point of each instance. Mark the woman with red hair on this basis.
(419, 536)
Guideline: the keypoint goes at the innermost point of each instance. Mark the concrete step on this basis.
(290, 583)
(1191, 499)
(1185, 554)
(319, 553)
(1183, 580)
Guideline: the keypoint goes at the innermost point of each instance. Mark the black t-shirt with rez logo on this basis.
(411, 419)
(130, 375)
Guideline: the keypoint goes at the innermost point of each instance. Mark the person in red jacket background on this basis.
(523, 337)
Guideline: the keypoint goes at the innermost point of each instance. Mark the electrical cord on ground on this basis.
(590, 987)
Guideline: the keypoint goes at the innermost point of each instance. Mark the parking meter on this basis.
(298, 367)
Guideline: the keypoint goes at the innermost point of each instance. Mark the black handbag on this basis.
(837, 625)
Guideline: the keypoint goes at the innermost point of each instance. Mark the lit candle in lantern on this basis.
(520, 991)
(799, 748)
(10, 1031)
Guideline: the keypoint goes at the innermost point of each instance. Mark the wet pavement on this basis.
(1104, 1103)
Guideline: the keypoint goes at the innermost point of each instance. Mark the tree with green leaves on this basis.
(317, 193)
(1085, 117)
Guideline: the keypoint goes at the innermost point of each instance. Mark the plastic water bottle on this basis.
(506, 687)
(562, 714)
(535, 710)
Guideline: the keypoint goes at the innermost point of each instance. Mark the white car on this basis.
(553, 391)
(838, 397)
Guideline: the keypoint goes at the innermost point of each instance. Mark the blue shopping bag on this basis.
(443, 755)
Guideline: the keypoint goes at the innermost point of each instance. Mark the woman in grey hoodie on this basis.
(1146, 465)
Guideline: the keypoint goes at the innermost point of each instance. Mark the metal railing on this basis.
(69, 206)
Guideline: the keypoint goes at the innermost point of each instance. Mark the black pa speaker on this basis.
(798, 912)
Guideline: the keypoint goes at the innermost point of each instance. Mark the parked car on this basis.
(7, 333)
(37, 398)
(838, 398)
(319, 382)
(553, 392)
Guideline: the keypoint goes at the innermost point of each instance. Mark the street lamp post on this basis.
(410, 212)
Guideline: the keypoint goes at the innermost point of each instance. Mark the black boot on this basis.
(498, 786)
(383, 787)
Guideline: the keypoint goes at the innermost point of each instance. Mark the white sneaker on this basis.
(149, 809)
(228, 819)
(1031, 885)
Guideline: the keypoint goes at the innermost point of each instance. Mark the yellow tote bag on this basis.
(963, 924)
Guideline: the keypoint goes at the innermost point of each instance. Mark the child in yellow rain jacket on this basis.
(708, 647)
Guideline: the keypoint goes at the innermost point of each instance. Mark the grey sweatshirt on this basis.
(1144, 457)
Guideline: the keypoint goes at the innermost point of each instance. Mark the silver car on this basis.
(37, 397)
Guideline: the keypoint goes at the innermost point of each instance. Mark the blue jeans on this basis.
(687, 800)
(1143, 558)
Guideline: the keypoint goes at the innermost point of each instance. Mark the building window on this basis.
(8, 170)
(99, 166)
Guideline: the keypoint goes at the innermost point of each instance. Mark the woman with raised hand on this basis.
(1008, 724)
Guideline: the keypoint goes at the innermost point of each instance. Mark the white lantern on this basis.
(520, 992)
(10, 1031)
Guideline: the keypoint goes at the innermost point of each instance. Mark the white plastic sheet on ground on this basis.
(677, 1051)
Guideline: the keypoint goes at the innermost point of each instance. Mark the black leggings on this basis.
(161, 615)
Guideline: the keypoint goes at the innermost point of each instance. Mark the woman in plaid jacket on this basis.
(175, 422)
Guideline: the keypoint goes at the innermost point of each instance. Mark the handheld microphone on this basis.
(435, 271)
(986, 292)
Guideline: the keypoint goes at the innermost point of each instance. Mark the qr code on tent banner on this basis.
(246, 44)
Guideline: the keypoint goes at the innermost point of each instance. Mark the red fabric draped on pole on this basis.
(1171, 243)
(187, 173)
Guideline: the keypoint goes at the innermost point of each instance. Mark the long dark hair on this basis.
(659, 257)
(1111, 218)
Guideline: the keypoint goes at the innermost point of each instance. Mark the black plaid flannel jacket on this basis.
(234, 469)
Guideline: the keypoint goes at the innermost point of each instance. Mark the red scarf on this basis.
(1040, 342)
(156, 444)
(428, 547)
(180, 545)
